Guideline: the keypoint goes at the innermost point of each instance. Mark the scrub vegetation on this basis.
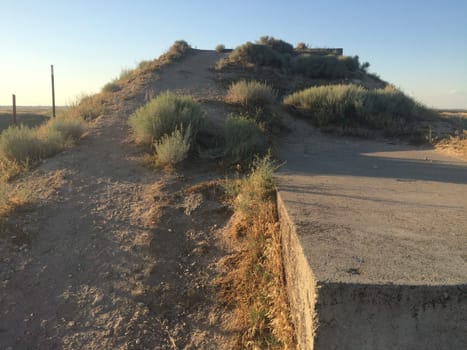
(388, 109)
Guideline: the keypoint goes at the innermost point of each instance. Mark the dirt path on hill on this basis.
(113, 255)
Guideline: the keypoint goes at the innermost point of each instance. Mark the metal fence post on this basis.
(53, 91)
(14, 110)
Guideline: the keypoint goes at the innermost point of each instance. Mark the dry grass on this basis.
(9, 169)
(173, 149)
(71, 128)
(254, 285)
(455, 145)
(251, 94)
(87, 107)
(13, 198)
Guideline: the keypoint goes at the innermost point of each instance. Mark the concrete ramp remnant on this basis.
(375, 244)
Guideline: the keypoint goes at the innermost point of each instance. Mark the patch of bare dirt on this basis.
(114, 255)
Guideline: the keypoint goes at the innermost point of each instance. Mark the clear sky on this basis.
(420, 46)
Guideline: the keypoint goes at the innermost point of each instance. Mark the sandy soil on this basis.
(113, 255)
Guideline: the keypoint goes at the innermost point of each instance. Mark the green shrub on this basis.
(243, 139)
(275, 53)
(178, 50)
(52, 142)
(276, 44)
(70, 128)
(326, 67)
(251, 94)
(163, 114)
(59, 133)
(326, 105)
(386, 109)
(220, 48)
(20, 144)
(255, 54)
(390, 108)
(172, 149)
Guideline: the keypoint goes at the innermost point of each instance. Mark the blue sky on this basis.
(420, 46)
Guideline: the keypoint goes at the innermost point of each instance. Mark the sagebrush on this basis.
(326, 67)
(270, 52)
(20, 144)
(87, 107)
(251, 94)
(387, 109)
(163, 114)
(172, 149)
(244, 139)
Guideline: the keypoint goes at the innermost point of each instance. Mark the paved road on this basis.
(374, 212)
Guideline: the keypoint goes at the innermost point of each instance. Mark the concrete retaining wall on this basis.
(332, 315)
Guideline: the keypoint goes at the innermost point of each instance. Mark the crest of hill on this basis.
(289, 69)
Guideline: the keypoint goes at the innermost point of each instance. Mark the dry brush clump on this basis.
(251, 94)
(244, 139)
(254, 285)
(256, 100)
(163, 114)
(87, 107)
(388, 109)
(455, 144)
(249, 55)
(220, 48)
(173, 149)
(21, 146)
(12, 198)
(276, 54)
(59, 133)
(176, 52)
(327, 67)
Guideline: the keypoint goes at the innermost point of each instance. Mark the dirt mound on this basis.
(92, 272)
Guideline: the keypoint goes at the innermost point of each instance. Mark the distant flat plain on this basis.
(26, 115)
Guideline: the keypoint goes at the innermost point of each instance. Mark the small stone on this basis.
(70, 324)
(98, 298)
(137, 341)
